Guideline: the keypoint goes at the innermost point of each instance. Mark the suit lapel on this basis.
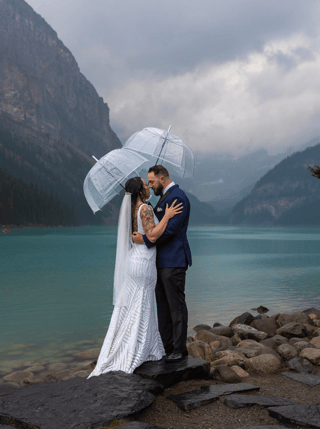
(162, 199)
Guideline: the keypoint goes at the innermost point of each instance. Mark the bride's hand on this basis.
(173, 209)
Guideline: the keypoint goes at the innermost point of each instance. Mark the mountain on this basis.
(222, 180)
(51, 118)
(287, 195)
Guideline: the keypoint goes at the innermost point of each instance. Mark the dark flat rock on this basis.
(303, 366)
(267, 427)
(309, 379)
(6, 388)
(78, 402)
(299, 414)
(240, 401)
(208, 394)
(137, 425)
(169, 374)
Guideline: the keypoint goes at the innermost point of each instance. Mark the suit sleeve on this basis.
(174, 224)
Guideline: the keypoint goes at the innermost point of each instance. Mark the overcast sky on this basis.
(228, 75)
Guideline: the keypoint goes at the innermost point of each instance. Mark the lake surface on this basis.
(56, 283)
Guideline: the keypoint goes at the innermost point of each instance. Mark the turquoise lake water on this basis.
(56, 283)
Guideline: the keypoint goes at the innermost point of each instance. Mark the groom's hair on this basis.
(159, 170)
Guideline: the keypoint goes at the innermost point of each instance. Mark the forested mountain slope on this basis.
(287, 195)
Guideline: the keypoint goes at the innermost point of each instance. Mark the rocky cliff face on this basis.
(51, 117)
(41, 85)
(286, 195)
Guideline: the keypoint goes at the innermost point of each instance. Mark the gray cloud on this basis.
(229, 75)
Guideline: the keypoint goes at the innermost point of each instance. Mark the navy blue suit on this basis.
(173, 258)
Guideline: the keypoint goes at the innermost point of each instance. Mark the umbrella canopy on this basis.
(107, 177)
(163, 147)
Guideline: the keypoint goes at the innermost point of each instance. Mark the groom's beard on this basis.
(158, 191)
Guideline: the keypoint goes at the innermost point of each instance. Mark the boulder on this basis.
(316, 342)
(295, 340)
(191, 338)
(302, 366)
(249, 344)
(267, 351)
(224, 331)
(229, 358)
(225, 374)
(197, 349)
(312, 310)
(309, 329)
(235, 339)
(270, 343)
(248, 332)
(217, 346)
(301, 345)
(279, 339)
(202, 327)
(208, 337)
(216, 324)
(267, 364)
(313, 355)
(292, 329)
(261, 309)
(238, 370)
(287, 352)
(297, 317)
(268, 325)
(243, 319)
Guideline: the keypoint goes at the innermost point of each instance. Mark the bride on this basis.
(133, 336)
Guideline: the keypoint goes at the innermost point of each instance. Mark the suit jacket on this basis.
(172, 247)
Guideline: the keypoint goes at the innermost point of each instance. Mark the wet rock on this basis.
(298, 317)
(235, 339)
(138, 425)
(238, 370)
(208, 394)
(241, 401)
(269, 342)
(225, 374)
(202, 327)
(55, 367)
(267, 364)
(280, 339)
(303, 366)
(7, 388)
(309, 329)
(309, 379)
(229, 358)
(208, 337)
(247, 332)
(316, 342)
(312, 310)
(268, 351)
(313, 355)
(89, 354)
(224, 331)
(168, 374)
(79, 402)
(243, 319)
(18, 376)
(299, 414)
(191, 339)
(261, 309)
(269, 326)
(292, 329)
(287, 352)
(200, 350)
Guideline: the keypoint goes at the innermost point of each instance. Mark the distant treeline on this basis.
(23, 204)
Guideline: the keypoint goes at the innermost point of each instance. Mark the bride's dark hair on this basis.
(136, 189)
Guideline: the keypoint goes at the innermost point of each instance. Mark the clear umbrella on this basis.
(107, 177)
(163, 147)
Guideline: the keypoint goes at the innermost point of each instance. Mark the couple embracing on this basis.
(154, 258)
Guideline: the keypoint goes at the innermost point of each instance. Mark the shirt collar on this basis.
(168, 187)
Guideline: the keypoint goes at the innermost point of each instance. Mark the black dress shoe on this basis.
(175, 357)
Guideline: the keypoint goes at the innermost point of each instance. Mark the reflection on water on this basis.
(56, 284)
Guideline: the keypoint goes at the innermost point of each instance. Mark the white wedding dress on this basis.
(133, 336)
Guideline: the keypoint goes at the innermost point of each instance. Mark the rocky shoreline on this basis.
(278, 353)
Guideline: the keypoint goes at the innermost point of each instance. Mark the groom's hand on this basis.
(137, 238)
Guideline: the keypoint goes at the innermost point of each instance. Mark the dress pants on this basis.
(172, 308)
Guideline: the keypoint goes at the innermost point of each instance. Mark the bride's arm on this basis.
(152, 231)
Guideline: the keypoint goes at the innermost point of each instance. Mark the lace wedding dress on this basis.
(133, 336)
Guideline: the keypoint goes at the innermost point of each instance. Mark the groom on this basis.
(173, 258)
